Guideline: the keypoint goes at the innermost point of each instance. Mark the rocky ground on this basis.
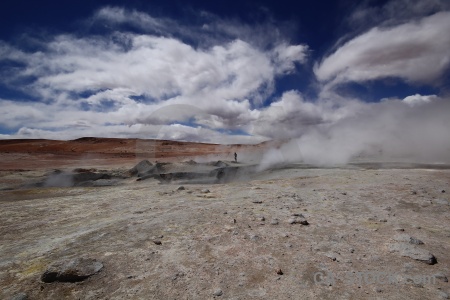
(360, 231)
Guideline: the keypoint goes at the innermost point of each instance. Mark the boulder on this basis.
(73, 270)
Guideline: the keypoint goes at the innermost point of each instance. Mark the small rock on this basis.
(181, 188)
(274, 222)
(443, 191)
(443, 295)
(378, 290)
(257, 201)
(157, 242)
(383, 220)
(73, 270)
(218, 293)
(298, 215)
(441, 277)
(261, 218)
(20, 296)
(297, 220)
(279, 272)
(415, 241)
(352, 250)
(399, 229)
(225, 213)
(413, 192)
(344, 193)
(413, 252)
(205, 191)
(254, 237)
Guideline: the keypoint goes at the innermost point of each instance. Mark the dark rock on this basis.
(257, 201)
(443, 191)
(157, 242)
(20, 296)
(181, 188)
(73, 270)
(298, 220)
(142, 167)
(205, 191)
(280, 272)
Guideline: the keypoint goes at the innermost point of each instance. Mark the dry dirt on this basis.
(233, 242)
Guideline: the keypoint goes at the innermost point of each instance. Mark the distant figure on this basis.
(235, 157)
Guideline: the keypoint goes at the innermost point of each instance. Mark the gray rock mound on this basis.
(73, 270)
(142, 167)
(414, 252)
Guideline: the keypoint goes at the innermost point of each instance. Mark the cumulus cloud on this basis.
(123, 77)
(416, 51)
(418, 99)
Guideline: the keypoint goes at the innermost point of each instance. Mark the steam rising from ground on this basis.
(392, 130)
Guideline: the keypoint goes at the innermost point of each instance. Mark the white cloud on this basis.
(86, 83)
(418, 99)
(415, 51)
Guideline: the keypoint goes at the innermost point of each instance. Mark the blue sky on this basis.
(222, 72)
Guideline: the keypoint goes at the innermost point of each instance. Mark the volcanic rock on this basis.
(73, 270)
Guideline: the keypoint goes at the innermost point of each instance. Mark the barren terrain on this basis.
(192, 224)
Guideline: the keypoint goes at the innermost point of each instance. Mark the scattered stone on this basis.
(415, 241)
(443, 295)
(333, 256)
(298, 215)
(279, 272)
(274, 222)
(261, 218)
(441, 277)
(181, 188)
(205, 191)
(157, 242)
(413, 252)
(20, 296)
(292, 220)
(378, 290)
(383, 220)
(298, 219)
(225, 213)
(254, 237)
(218, 292)
(399, 229)
(73, 270)
(257, 201)
(414, 193)
(352, 250)
(344, 193)
(443, 191)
